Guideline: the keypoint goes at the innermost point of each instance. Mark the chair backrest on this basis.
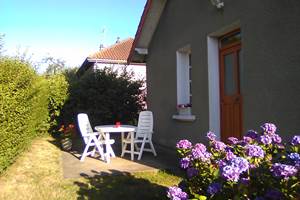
(84, 126)
(145, 123)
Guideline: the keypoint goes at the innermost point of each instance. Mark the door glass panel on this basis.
(230, 85)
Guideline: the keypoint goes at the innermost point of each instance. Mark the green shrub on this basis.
(105, 96)
(22, 108)
(58, 93)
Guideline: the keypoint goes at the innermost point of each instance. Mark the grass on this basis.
(37, 174)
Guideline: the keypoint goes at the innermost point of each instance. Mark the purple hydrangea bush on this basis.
(259, 166)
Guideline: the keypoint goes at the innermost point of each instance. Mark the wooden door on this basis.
(230, 95)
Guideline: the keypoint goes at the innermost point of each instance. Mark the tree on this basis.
(54, 65)
(1, 43)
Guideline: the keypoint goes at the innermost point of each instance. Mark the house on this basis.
(114, 57)
(237, 63)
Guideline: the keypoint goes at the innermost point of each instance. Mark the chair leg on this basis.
(152, 147)
(100, 148)
(93, 152)
(136, 146)
(84, 154)
(123, 149)
(142, 149)
(131, 146)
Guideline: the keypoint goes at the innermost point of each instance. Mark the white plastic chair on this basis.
(91, 138)
(143, 135)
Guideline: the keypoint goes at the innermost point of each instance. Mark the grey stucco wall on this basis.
(271, 64)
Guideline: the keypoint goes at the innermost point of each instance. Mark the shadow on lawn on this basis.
(120, 185)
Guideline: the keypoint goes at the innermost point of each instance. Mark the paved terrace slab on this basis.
(166, 159)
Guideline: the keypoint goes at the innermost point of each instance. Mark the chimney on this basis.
(118, 40)
(101, 46)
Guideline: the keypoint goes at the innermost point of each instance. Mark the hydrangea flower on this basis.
(192, 172)
(219, 146)
(283, 171)
(295, 157)
(240, 163)
(184, 162)
(221, 163)
(230, 173)
(269, 128)
(200, 147)
(265, 139)
(232, 140)
(252, 134)
(296, 140)
(203, 156)
(175, 193)
(276, 138)
(247, 139)
(184, 144)
(230, 155)
(211, 136)
(255, 151)
(214, 188)
(199, 152)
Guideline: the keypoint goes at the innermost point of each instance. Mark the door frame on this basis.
(235, 46)
(213, 75)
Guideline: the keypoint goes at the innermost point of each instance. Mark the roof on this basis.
(149, 20)
(117, 53)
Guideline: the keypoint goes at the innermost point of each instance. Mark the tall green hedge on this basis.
(27, 101)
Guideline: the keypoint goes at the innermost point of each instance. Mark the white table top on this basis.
(114, 129)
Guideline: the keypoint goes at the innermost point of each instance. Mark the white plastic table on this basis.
(107, 129)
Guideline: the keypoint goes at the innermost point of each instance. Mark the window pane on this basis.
(236, 37)
(230, 85)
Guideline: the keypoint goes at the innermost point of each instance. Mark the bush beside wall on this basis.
(105, 96)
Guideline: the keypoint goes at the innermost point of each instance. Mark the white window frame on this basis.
(184, 92)
(184, 84)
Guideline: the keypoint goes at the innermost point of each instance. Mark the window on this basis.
(184, 69)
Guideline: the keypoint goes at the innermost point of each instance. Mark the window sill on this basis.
(184, 118)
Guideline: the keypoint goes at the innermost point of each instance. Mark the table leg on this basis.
(109, 149)
(131, 145)
(122, 138)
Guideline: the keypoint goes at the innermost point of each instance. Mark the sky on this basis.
(66, 29)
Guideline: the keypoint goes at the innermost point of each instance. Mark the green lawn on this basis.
(37, 174)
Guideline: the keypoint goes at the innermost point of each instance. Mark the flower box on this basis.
(184, 111)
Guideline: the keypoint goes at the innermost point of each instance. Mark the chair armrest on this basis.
(94, 133)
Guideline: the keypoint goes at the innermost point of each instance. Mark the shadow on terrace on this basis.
(122, 186)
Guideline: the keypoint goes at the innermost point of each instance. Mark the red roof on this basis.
(117, 52)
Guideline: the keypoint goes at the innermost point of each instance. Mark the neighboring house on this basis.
(114, 57)
(238, 65)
